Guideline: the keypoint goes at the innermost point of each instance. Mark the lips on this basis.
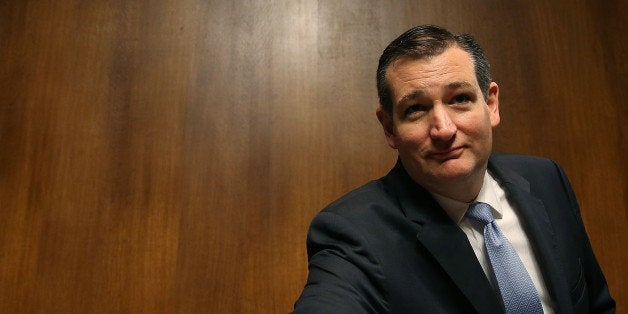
(444, 155)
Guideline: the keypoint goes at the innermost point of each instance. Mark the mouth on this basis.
(445, 155)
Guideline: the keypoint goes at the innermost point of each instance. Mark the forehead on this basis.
(407, 75)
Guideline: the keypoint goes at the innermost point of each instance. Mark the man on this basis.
(414, 241)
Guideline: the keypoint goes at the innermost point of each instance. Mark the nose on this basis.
(442, 128)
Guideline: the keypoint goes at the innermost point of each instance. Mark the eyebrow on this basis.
(458, 85)
(451, 86)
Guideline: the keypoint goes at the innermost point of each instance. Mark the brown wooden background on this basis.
(168, 156)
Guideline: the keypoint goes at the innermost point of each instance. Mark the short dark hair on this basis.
(427, 41)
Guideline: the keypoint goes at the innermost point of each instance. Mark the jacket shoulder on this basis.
(526, 165)
(519, 159)
(356, 201)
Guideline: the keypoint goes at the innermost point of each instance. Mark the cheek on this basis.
(412, 136)
(477, 126)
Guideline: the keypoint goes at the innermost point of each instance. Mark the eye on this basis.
(461, 99)
(415, 109)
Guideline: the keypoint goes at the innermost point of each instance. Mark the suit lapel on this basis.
(451, 249)
(539, 230)
(445, 241)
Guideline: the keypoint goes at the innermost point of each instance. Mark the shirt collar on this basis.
(488, 194)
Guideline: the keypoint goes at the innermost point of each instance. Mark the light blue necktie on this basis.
(515, 285)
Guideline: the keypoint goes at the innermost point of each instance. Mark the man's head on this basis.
(438, 109)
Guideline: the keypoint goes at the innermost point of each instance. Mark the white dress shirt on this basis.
(508, 222)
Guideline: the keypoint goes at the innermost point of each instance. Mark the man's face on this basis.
(440, 122)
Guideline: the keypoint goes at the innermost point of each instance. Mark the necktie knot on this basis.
(481, 212)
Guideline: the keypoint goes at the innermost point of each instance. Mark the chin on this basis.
(455, 170)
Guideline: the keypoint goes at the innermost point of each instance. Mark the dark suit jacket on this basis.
(388, 247)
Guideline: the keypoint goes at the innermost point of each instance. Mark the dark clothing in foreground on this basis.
(388, 247)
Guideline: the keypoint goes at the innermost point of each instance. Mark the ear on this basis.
(386, 121)
(492, 101)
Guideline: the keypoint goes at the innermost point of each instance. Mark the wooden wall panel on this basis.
(168, 156)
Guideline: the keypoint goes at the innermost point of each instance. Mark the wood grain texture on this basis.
(168, 156)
